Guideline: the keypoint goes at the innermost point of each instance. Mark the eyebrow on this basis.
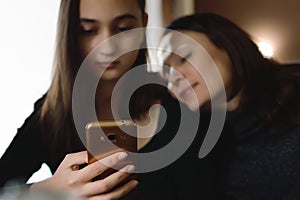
(126, 16)
(119, 18)
(87, 20)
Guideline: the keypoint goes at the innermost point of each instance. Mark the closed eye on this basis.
(88, 31)
(126, 28)
(185, 58)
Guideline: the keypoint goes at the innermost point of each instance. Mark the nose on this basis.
(175, 76)
(107, 46)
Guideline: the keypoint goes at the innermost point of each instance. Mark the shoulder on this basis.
(32, 122)
(39, 103)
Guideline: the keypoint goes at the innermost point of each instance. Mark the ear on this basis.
(145, 19)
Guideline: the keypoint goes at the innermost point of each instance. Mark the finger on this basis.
(75, 159)
(118, 192)
(108, 183)
(92, 170)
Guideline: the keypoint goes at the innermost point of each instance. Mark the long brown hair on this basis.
(56, 113)
(267, 87)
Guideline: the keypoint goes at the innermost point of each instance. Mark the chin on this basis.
(192, 105)
(110, 75)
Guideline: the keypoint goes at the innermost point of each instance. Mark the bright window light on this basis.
(266, 49)
(28, 30)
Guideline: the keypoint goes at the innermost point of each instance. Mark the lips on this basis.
(108, 65)
(185, 93)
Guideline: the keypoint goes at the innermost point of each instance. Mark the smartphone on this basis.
(115, 136)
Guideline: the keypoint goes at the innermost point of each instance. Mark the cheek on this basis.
(202, 94)
(130, 40)
(201, 89)
(85, 47)
(88, 44)
(128, 59)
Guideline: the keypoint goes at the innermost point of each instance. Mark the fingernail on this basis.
(135, 183)
(122, 156)
(130, 169)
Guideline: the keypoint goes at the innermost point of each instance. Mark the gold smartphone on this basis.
(115, 136)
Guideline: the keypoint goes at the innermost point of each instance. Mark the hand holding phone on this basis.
(108, 137)
(69, 178)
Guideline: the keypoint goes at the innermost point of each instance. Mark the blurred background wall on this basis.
(274, 24)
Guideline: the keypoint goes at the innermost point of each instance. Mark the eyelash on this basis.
(93, 31)
(87, 31)
(185, 58)
(126, 28)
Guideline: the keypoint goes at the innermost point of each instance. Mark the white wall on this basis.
(27, 37)
(154, 9)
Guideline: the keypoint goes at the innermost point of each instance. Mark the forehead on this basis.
(108, 9)
(194, 41)
(202, 39)
(192, 38)
(205, 43)
(182, 42)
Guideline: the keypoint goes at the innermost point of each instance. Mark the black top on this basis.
(250, 160)
(264, 162)
(29, 150)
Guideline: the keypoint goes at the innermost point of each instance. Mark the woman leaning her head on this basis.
(252, 82)
(257, 154)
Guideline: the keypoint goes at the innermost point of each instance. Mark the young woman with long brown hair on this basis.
(49, 134)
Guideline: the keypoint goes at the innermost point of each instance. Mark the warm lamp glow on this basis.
(266, 49)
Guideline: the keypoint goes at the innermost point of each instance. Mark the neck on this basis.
(103, 99)
(233, 103)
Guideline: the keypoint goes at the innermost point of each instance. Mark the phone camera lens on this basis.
(111, 137)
